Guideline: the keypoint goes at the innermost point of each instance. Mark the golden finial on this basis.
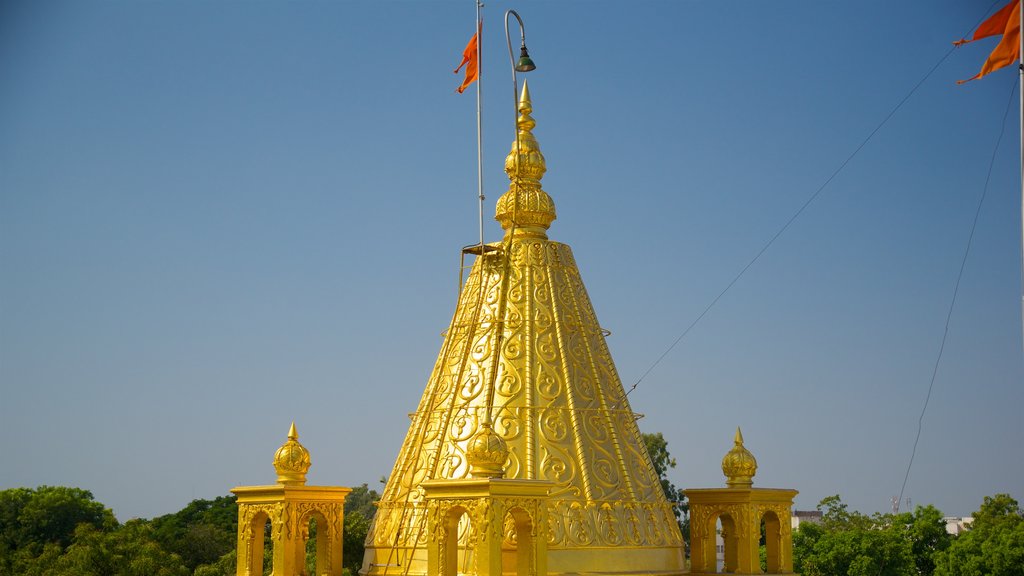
(525, 205)
(487, 453)
(739, 465)
(292, 460)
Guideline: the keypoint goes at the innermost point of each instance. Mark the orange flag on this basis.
(471, 60)
(1007, 52)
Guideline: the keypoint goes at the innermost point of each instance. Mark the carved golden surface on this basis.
(739, 465)
(740, 510)
(292, 460)
(525, 206)
(500, 521)
(524, 322)
(487, 453)
(289, 506)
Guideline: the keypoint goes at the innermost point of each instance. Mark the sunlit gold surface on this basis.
(289, 506)
(525, 205)
(501, 524)
(292, 460)
(487, 453)
(739, 465)
(558, 404)
(739, 509)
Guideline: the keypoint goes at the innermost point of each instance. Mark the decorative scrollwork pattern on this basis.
(558, 403)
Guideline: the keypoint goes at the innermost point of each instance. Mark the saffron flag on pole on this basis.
(1006, 22)
(471, 60)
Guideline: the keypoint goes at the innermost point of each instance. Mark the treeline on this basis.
(61, 531)
(912, 543)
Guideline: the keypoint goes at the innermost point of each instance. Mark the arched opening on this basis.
(260, 553)
(726, 548)
(517, 544)
(316, 552)
(771, 533)
(457, 551)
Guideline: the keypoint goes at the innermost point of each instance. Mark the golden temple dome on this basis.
(739, 465)
(487, 453)
(525, 206)
(292, 461)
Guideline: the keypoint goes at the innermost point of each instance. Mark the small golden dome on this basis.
(739, 465)
(525, 206)
(292, 461)
(487, 453)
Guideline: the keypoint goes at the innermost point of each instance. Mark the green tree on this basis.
(993, 545)
(926, 530)
(32, 519)
(363, 500)
(201, 532)
(835, 515)
(224, 566)
(127, 551)
(657, 447)
(850, 543)
(360, 508)
(804, 539)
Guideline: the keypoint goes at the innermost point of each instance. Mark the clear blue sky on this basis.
(220, 216)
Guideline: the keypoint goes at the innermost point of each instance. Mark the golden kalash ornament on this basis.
(523, 456)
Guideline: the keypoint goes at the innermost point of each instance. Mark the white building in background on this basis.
(800, 516)
(957, 525)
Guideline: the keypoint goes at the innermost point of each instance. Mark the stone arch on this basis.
(772, 542)
(517, 551)
(322, 543)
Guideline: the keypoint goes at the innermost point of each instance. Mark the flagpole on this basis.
(1020, 90)
(479, 124)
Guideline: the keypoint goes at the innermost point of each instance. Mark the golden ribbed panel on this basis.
(560, 407)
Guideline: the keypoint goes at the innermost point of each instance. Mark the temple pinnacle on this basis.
(739, 465)
(525, 210)
(292, 460)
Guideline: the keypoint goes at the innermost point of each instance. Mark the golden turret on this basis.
(739, 465)
(292, 460)
(525, 393)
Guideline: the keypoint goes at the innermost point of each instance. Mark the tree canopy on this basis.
(61, 531)
(992, 545)
(912, 543)
(657, 447)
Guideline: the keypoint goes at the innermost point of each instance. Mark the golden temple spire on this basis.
(526, 208)
(739, 465)
(292, 460)
(525, 390)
